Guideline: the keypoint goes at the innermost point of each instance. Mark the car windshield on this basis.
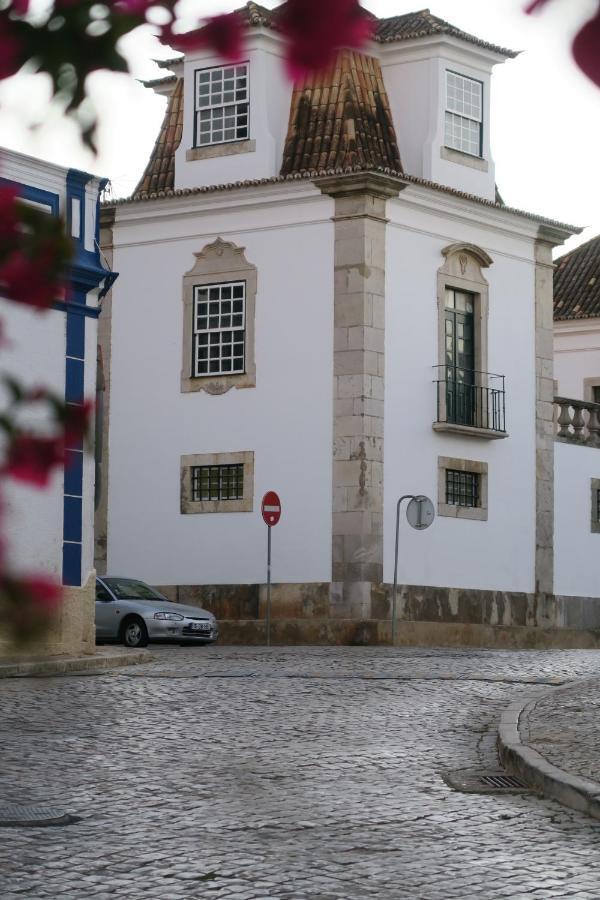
(129, 589)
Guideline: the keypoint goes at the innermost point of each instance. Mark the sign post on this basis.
(420, 514)
(271, 513)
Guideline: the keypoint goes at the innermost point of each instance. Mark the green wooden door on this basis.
(460, 357)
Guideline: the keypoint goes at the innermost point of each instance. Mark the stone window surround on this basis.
(464, 159)
(218, 263)
(243, 457)
(595, 521)
(462, 271)
(214, 151)
(478, 513)
(588, 388)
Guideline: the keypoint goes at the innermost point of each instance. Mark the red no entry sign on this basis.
(271, 508)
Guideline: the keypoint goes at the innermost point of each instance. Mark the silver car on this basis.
(133, 613)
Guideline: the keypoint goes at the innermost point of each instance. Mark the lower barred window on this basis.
(462, 488)
(218, 482)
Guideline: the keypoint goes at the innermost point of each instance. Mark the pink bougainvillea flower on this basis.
(531, 7)
(45, 594)
(224, 34)
(316, 30)
(586, 48)
(21, 7)
(32, 459)
(11, 50)
(9, 218)
(77, 418)
(27, 281)
(134, 7)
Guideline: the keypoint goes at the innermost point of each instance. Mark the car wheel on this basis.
(134, 633)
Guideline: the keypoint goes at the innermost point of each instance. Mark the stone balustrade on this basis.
(577, 421)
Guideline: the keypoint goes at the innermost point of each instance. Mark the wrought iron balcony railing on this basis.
(470, 398)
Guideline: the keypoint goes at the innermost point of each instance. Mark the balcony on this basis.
(470, 402)
(577, 421)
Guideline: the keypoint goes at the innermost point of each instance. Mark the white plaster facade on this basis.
(576, 357)
(285, 419)
(577, 555)
(51, 531)
(490, 555)
(312, 264)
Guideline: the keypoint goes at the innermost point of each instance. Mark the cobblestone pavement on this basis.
(564, 729)
(288, 773)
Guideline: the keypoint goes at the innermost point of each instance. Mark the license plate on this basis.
(200, 626)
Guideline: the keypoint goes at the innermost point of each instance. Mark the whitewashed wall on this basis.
(576, 548)
(415, 78)
(35, 354)
(576, 356)
(286, 420)
(497, 554)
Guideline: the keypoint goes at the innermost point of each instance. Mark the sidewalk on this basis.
(552, 742)
(103, 658)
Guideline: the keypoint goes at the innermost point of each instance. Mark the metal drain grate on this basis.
(503, 781)
(473, 781)
(32, 816)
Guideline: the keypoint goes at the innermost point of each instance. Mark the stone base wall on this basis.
(73, 632)
(319, 613)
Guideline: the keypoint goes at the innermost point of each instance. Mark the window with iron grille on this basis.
(462, 488)
(218, 482)
(464, 114)
(219, 329)
(221, 105)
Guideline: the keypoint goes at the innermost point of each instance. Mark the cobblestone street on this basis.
(301, 772)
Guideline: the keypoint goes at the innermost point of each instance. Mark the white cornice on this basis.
(439, 46)
(469, 211)
(246, 198)
(577, 326)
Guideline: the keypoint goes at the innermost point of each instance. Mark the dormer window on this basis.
(221, 104)
(464, 114)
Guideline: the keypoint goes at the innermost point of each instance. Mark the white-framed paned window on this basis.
(464, 114)
(222, 105)
(219, 329)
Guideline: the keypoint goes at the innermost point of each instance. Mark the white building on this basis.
(577, 386)
(50, 531)
(322, 293)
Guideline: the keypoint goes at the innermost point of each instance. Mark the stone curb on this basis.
(95, 662)
(570, 790)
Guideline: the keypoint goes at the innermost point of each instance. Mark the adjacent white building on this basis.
(50, 531)
(577, 386)
(322, 293)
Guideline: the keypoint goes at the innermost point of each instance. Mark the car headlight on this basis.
(172, 617)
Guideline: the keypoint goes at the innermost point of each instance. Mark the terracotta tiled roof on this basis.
(577, 282)
(159, 174)
(409, 26)
(424, 24)
(340, 118)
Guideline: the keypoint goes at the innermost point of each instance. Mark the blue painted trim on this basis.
(72, 529)
(71, 571)
(89, 312)
(74, 475)
(36, 195)
(75, 335)
(74, 380)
